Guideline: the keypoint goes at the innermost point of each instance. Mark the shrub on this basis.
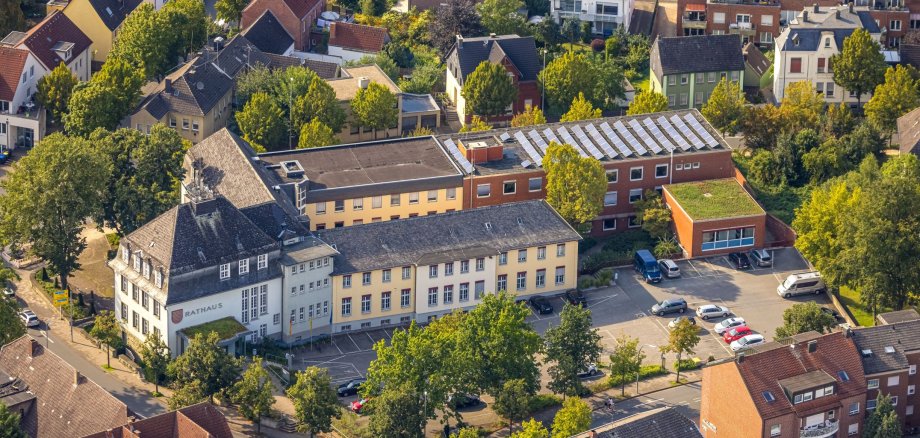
(586, 244)
(585, 282)
(645, 372)
(597, 45)
(687, 364)
(665, 248)
(603, 278)
(540, 402)
(114, 239)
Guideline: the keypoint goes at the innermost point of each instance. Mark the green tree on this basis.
(764, 168)
(883, 408)
(424, 79)
(860, 66)
(9, 424)
(489, 90)
(531, 429)
(575, 339)
(48, 196)
(468, 432)
(500, 16)
(108, 332)
(452, 18)
(188, 25)
(804, 317)
(375, 107)
(513, 401)
(373, 8)
(824, 162)
(761, 125)
(625, 360)
(91, 106)
(838, 120)
(575, 185)
(253, 393)
(890, 427)
(580, 109)
(571, 29)
(565, 77)
(319, 103)
(530, 117)
(725, 107)
(190, 393)
(156, 357)
(231, 10)
(476, 124)
(207, 364)
(262, 123)
(398, 413)
(801, 106)
(647, 102)
(11, 17)
(819, 225)
(316, 134)
(893, 98)
(140, 42)
(315, 402)
(55, 89)
(681, 340)
(573, 418)
(655, 216)
(11, 326)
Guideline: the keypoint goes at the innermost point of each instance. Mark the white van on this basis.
(798, 284)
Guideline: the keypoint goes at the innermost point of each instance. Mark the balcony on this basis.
(821, 430)
(742, 28)
(694, 22)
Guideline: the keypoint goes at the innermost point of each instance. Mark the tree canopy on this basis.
(452, 18)
(230, 10)
(315, 402)
(531, 429)
(488, 90)
(253, 393)
(895, 97)
(398, 412)
(575, 185)
(804, 317)
(682, 339)
(501, 17)
(9, 423)
(530, 117)
(156, 356)
(375, 107)
(262, 123)
(572, 346)
(55, 89)
(513, 401)
(316, 134)
(860, 65)
(625, 359)
(725, 106)
(204, 366)
(573, 73)
(580, 109)
(573, 418)
(107, 330)
(647, 102)
(106, 99)
(476, 124)
(11, 326)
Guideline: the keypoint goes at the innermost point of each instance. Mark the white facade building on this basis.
(444, 286)
(604, 15)
(22, 123)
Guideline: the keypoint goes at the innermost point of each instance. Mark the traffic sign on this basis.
(60, 297)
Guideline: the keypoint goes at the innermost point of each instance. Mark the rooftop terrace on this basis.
(714, 199)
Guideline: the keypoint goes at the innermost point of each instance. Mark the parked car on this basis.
(463, 401)
(762, 258)
(669, 268)
(799, 284)
(736, 333)
(740, 260)
(541, 305)
(831, 312)
(357, 405)
(575, 297)
(29, 318)
(747, 342)
(350, 387)
(8, 292)
(589, 371)
(727, 324)
(712, 311)
(669, 306)
(677, 320)
(646, 265)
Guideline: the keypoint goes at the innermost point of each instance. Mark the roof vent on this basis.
(520, 221)
(812, 346)
(488, 225)
(889, 349)
(795, 36)
(200, 85)
(363, 82)
(866, 353)
(292, 169)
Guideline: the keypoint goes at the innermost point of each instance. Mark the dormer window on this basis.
(262, 262)
(147, 269)
(224, 271)
(125, 255)
(137, 261)
(158, 277)
(244, 266)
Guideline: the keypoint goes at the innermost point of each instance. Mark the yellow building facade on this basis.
(100, 21)
(369, 209)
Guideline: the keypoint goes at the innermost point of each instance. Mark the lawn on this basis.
(714, 199)
(642, 82)
(226, 328)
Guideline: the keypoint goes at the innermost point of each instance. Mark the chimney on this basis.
(332, 30)
(167, 85)
(35, 348)
(218, 44)
(739, 358)
(459, 42)
(816, 8)
(363, 82)
(812, 346)
(805, 16)
(850, 6)
(837, 13)
(76, 377)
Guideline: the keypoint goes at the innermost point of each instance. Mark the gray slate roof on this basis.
(522, 51)
(197, 88)
(903, 337)
(268, 34)
(909, 130)
(405, 242)
(659, 423)
(705, 53)
(113, 12)
(810, 38)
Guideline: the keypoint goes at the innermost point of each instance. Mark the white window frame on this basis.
(641, 173)
(666, 170)
(244, 266)
(224, 271)
(262, 262)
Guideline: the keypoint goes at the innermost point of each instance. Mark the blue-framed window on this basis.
(731, 238)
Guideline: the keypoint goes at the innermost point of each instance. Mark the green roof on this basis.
(226, 328)
(714, 199)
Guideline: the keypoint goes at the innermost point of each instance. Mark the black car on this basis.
(831, 312)
(575, 297)
(740, 260)
(463, 401)
(350, 388)
(541, 305)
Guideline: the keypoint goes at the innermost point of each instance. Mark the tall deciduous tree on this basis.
(11, 17)
(398, 412)
(375, 107)
(141, 42)
(262, 123)
(500, 16)
(107, 98)
(890, 427)
(531, 429)
(55, 89)
(681, 340)
(575, 185)
(573, 73)
(725, 107)
(11, 326)
(315, 402)
(761, 125)
(107, 330)
(530, 117)
(205, 365)
(9, 422)
(452, 18)
(48, 196)
(476, 124)
(315, 134)
(581, 109)
(253, 393)
(230, 10)
(801, 106)
(319, 103)
(188, 24)
(647, 102)
(893, 98)
(573, 418)
(575, 340)
(625, 359)
(804, 317)
(513, 401)
(860, 66)
(156, 357)
(488, 90)
(655, 216)
(876, 418)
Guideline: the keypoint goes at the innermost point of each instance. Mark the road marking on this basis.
(353, 342)
(305, 361)
(694, 268)
(369, 337)
(337, 346)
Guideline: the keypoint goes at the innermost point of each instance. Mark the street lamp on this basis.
(638, 354)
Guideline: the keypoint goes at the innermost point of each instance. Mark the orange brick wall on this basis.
(726, 405)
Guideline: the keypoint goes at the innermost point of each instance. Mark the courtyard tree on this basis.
(681, 340)
(565, 77)
(575, 185)
(230, 10)
(108, 332)
(262, 123)
(876, 418)
(155, 354)
(801, 107)
(9, 422)
(625, 359)
(580, 109)
(375, 107)
(315, 402)
(476, 124)
(530, 117)
(860, 66)
(573, 418)
(47, 198)
(253, 393)
(318, 103)
(804, 317)
(513, 401)
(141, 44)
(647, 102)
(488, 90)
(205, 365)
(315, 134)
(531, 429)
(655, 216)
(893, 98)
(452, 18)
(725, 107)
(575, 340)
(55, 89)
(399, 412)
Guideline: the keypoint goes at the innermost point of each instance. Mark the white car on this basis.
(29, 318)
(8, 292)
(747, 342)
(728, 323)
(712, 311)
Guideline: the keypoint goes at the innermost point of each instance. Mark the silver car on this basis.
(668, 268)
(29, 318)
(712, 311)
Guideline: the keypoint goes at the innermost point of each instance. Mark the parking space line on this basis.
(353, 341)
(369, 337)
(694, 268)
(336, 346)
(387, 333)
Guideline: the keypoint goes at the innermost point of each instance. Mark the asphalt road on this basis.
(685, 398)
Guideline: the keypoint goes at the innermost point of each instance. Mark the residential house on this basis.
(517, 54)
(687, 69)
(894, 17)
(804, 50)
(269, 35)
(351, 42)
(51, 397)
(440, 263)
(664, 422)
(57, 40)
(890, 354)
(805, 386)
(754, 21)
(100, 20)
(22, 121)
(604, 15)
(298, 17)
(909, 132)
(756, 66)
(196, 421)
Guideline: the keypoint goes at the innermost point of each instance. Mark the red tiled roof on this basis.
(763, 370)
(358, 37)
(14, 60)
(42, 38)
(301, 7)
(197, 421)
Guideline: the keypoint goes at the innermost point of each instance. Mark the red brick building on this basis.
(754, 21)
(297, 17)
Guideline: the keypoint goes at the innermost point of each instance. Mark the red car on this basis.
(736, 333)
(357, 405)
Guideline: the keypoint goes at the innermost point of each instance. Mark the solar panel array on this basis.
(618, 138)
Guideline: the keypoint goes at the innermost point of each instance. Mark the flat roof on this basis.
(809, 380)
(714, 199)
(347, 87)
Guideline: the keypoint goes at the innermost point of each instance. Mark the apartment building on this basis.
(297, 17)
(755, 21)
(56, 40)
(22, 121)
(420, 268)
(804, 49)
(805, 386)
(687, 69)
(604, 15)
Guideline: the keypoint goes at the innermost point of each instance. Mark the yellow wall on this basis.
(375, 290)
(367, 213)
(512, 267)
(207, 125)
(84, 16)
(346, 135)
